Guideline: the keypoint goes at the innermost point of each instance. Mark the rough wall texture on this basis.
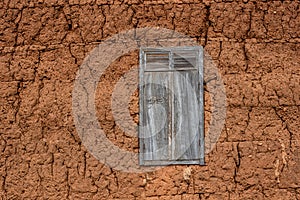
(43, 43)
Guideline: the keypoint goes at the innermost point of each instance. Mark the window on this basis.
(171, 106)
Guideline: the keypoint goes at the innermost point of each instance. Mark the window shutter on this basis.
(171, 106)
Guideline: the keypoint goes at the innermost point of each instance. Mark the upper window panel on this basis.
(157, 60)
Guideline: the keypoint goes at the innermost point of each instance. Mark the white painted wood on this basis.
(186, 123)
(156, 115)
(171, 106)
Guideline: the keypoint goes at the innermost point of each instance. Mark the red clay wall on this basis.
(43, 43)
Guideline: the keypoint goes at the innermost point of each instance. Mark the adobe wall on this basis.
(255, 46)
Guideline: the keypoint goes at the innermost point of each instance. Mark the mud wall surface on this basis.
(255, 45)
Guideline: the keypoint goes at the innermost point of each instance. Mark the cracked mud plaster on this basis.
(255, 45)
